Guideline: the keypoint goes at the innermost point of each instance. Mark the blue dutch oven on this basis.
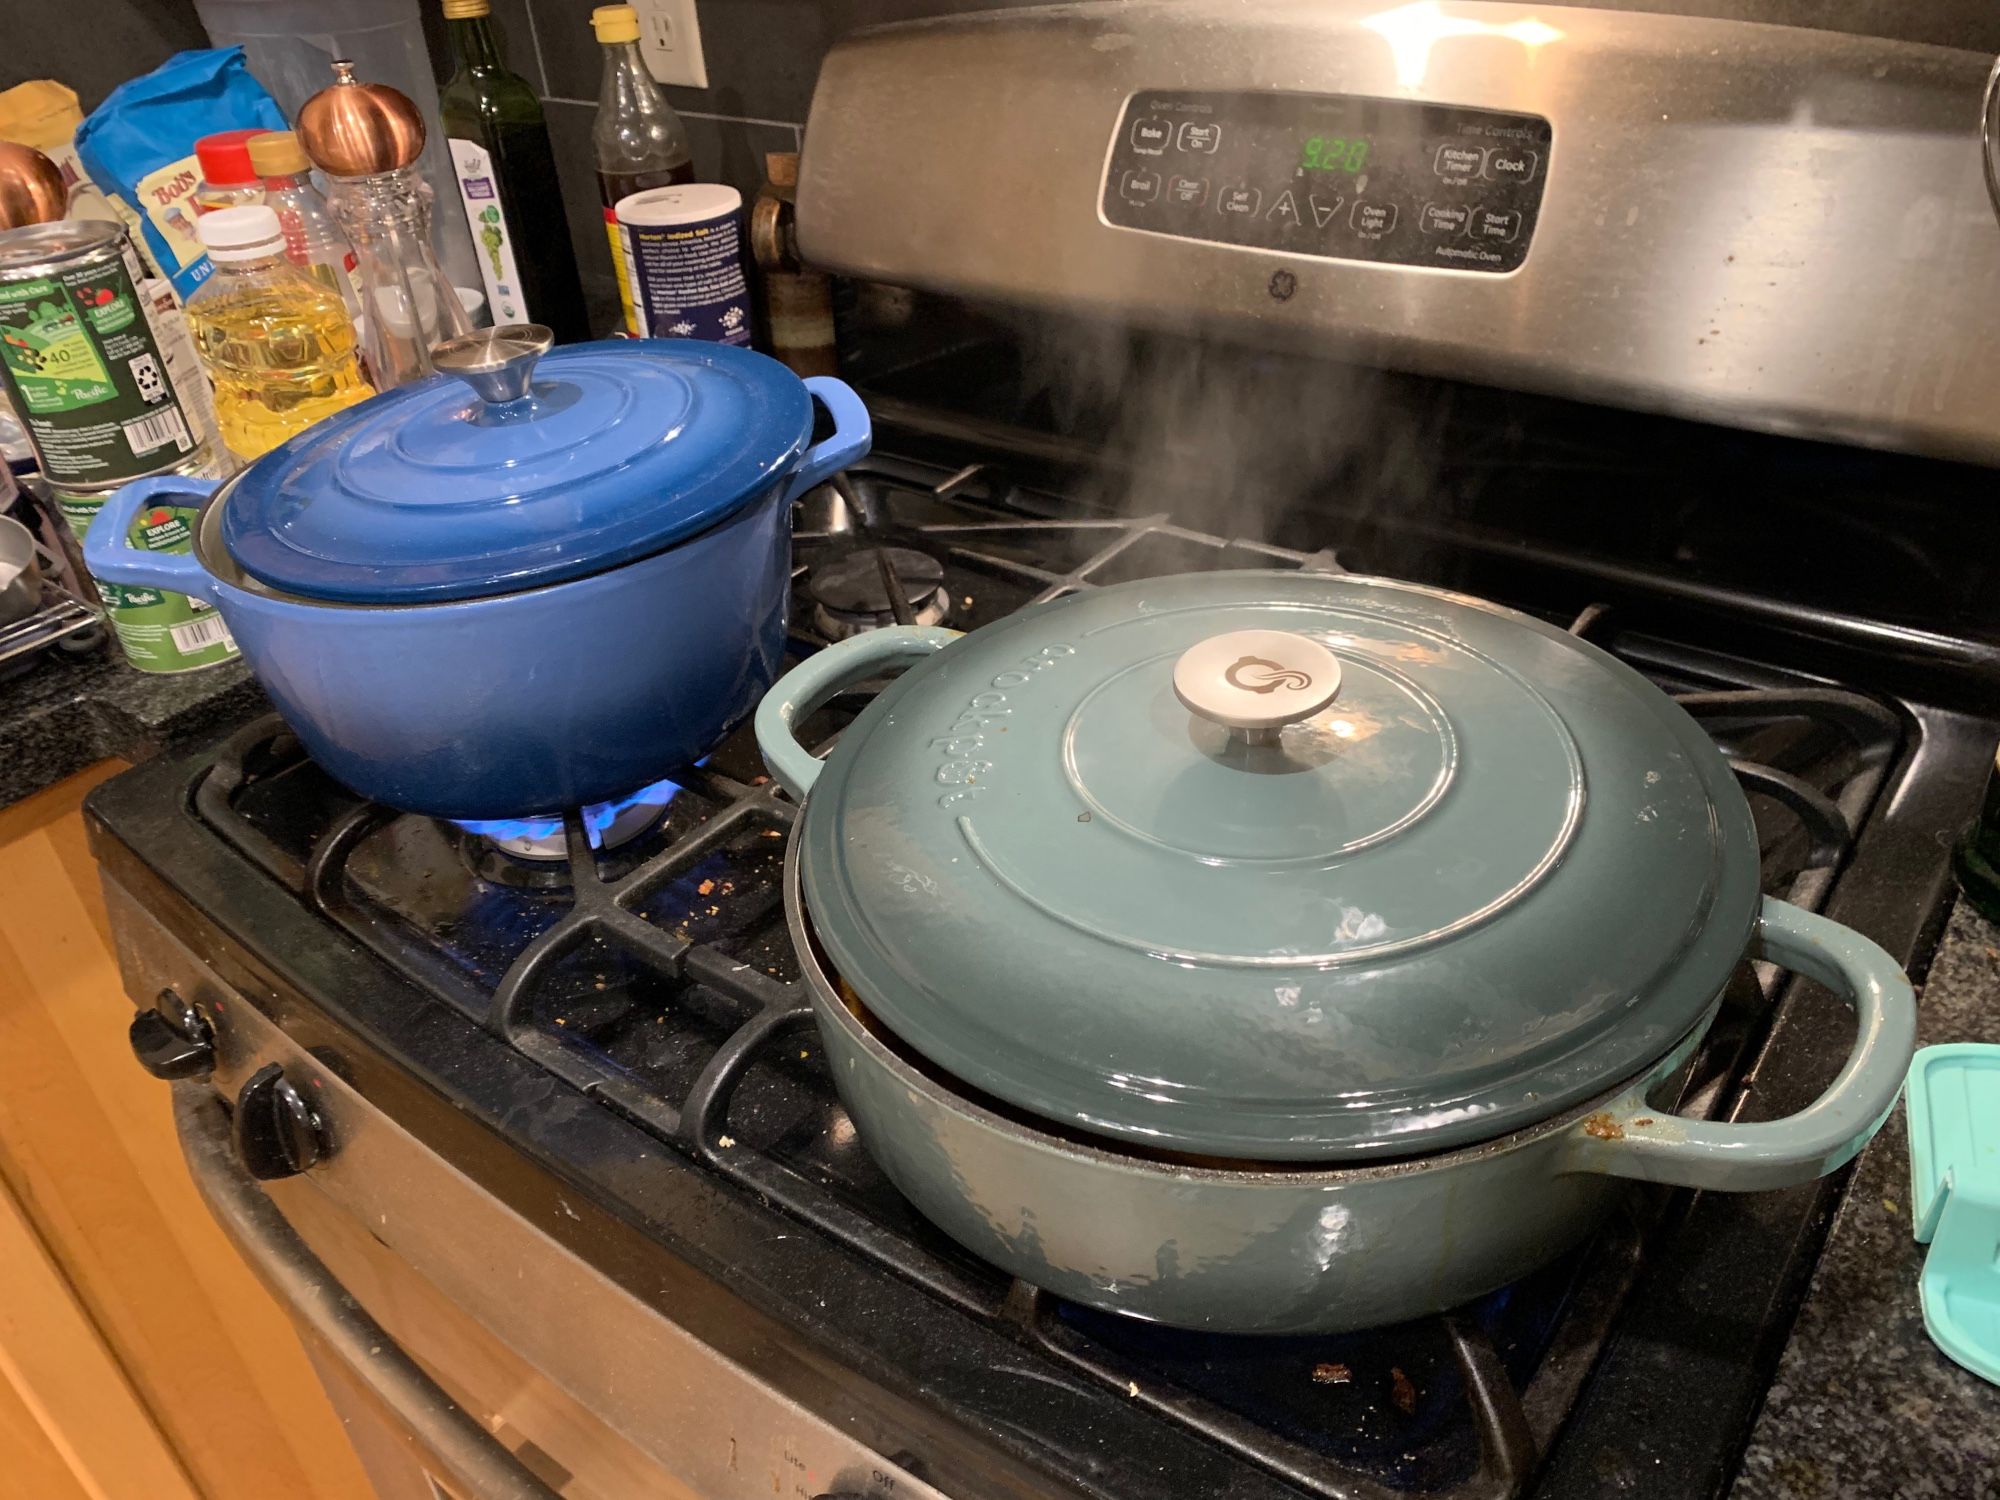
(541, 592)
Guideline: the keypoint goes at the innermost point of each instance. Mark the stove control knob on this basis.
(173, 1039)
(277, 1131)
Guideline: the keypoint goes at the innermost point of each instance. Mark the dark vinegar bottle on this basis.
(638, 140)
(507, 179)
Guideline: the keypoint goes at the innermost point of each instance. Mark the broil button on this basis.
(1141, 185)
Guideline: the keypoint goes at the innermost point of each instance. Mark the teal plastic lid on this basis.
(1133, 861)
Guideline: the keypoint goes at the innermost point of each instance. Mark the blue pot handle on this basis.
(1632, 1140)
(110, 557)
(852, 433)
(818, 678)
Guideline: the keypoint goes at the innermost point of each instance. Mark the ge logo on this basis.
(1283, 284)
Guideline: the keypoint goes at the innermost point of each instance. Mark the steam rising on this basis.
(1242, 443)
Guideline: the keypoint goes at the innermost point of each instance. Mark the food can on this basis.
(683, 253)
(81, 358)
(160, 631)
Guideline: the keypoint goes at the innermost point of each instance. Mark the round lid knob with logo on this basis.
(1254, 682)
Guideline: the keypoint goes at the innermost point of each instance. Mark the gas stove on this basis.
(573, 1054)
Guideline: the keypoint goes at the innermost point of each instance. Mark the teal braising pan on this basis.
(1953, 1103)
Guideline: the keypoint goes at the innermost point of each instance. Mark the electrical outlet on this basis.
(670, 41)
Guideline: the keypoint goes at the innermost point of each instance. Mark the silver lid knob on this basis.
(1254, 682)
(498, 363)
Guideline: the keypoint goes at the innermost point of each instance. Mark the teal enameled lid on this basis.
(1280, 865)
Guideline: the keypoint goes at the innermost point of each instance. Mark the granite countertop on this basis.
(1864, 1405)
(66, 712)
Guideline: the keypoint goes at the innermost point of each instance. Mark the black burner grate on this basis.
(659, 979)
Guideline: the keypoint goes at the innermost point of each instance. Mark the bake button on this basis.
(1505, 164)
(1244, 201)
(1189, 192)
(1373, 219)
(1140, 185)
(1196, 136)
(1501, 224)
(1460, 161)
(1444, 218)
(1150, 135)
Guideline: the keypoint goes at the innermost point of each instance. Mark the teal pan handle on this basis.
(1630, 1139)
(111, 557)
(816, 679)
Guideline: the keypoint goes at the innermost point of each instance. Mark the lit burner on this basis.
(851, 594)
(608, 824)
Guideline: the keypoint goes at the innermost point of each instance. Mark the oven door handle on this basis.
(449, 1440)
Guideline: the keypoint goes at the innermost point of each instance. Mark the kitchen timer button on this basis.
(1459, 161)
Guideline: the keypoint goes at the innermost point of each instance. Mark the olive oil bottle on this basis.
(507, 181)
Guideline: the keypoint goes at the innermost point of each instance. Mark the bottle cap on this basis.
(247, 233)
(466, 10)
(225, 157)
(277, 153)
(615, 23)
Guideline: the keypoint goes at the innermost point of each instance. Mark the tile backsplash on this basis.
(762, 58)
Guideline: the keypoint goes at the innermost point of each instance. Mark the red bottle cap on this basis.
(225, 157)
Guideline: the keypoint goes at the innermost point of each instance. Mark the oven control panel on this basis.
(1341, 176)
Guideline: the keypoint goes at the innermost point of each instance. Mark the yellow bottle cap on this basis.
(615, 23)
(277, 153)
(466, 10)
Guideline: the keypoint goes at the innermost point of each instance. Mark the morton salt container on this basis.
(683, 253)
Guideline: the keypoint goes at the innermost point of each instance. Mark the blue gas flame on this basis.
(596, 818)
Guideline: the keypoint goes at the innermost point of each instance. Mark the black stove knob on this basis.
(173, 1039)
(278, 1133)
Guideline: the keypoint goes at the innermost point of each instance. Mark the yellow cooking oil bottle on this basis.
(277, 344)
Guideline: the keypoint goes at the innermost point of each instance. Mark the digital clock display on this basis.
(1334, 153)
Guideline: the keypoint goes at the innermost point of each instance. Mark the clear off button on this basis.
(1141, 185)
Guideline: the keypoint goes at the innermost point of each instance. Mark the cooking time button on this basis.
(1444, 218)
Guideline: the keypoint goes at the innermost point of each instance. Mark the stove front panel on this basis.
(1332, 176)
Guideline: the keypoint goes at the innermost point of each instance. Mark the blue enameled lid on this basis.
(517, 473)
(1280, 865)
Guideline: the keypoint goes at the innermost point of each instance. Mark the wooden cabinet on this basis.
(139, 1358)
